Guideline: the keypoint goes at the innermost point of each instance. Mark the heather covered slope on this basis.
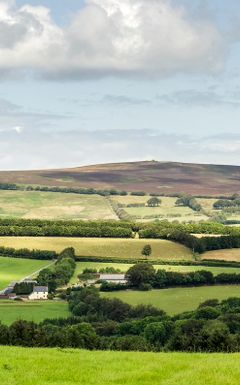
(162, 177)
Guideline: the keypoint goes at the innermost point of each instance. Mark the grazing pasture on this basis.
(50, 205)
(176, 300)
(37, 311)
(167, 209)
(25, 366)
(14, 269)
(103, 247)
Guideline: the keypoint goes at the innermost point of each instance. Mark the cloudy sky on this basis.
(93, 81)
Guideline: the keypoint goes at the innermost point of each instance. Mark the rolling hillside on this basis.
(152, 176)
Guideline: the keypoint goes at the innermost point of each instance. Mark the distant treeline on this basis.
(105, 192)
(229, 237)
(27, 254)
(37, 228)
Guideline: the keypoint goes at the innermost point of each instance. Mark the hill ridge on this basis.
(149, 176)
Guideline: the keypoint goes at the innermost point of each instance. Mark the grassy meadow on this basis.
(50, 205)
(37, 311)
(13, 269)
(25, 366)
(102, 247)
(167, 209)
(176, 300)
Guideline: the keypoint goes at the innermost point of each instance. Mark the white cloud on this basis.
(109, 37)
(18, 129)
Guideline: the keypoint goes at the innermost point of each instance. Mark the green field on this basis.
(102, 247)
(176, 300)
(14, 269)
(49, 205)
(25, 366)
(37, 311)
(125, 266)
(167, 209)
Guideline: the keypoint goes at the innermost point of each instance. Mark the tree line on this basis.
(109, 324)
(143, 276)
(59, 274)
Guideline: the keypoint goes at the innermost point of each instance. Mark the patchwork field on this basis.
(25, 366)
(167, 209)
(102, 247)
(13, 269)
(44, 205)
(124, 267)
(176, 300)
(37, 311)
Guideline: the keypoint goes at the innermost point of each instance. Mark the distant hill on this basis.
(162, 177)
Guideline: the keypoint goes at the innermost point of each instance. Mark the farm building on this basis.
(113, 278)
(39, 293)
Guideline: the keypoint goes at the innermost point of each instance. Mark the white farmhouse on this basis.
(39, 293)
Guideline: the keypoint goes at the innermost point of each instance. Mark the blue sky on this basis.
(109, 80)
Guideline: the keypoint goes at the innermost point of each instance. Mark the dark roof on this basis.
(40, 289)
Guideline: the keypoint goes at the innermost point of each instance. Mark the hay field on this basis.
(103, 247)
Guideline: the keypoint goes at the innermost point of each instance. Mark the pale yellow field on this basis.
(225, 254)
(103, 247)
(207, 204)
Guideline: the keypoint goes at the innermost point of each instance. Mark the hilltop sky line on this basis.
(96, 81)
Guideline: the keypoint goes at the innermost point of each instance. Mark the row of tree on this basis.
(189, 201)
(59, 274)
(143, 276)
(110, 324)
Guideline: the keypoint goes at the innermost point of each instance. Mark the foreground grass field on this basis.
(43, 205)
(24, 366)
(37, 311)
(124, 267)
(176, 300)
(102, 247)
(14, 269)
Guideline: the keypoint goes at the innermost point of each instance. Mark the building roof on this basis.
(40, 289)
(112, 277)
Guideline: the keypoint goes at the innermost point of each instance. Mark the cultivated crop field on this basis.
(224, 254)
(176, 300)
(124, 267)
(37, 311)
(13, 269)
(50, 205)
(25, 366)
(102, 247)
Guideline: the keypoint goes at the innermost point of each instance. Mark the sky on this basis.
(97, 81)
